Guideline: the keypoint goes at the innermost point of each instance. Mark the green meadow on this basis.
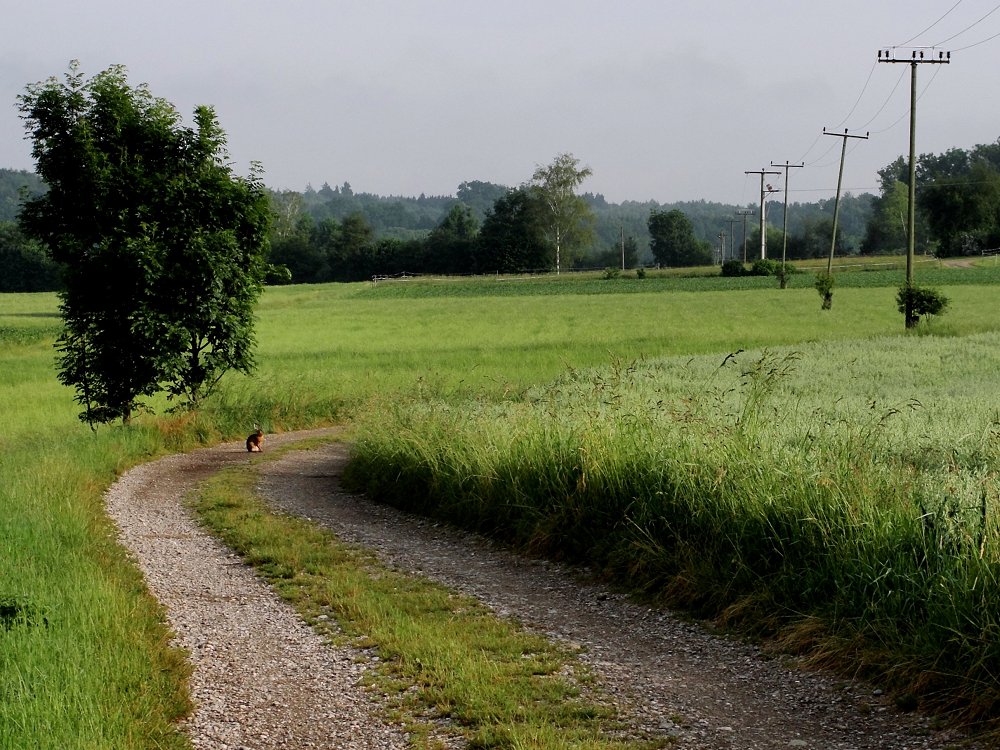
(832, 483)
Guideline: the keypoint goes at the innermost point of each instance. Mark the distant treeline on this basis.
(337, 234)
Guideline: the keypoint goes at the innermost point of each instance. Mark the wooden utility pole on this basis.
(744, 212)
(784, 223)
(732, 235)
(916, 58)
(623, 246)
(763, 217)
(840, 179)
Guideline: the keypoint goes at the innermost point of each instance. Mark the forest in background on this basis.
(337, 234)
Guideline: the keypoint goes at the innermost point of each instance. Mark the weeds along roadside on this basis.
(442, 656)
(85, 657)
(846, 518)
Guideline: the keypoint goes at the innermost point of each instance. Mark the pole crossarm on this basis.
(917, 56)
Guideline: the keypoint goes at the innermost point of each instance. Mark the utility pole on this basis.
(744, 212)
(722, 247)
(840, 179)
(784, 224)
(732, 235)
(623, 247)
(916, 58)
(763, 218)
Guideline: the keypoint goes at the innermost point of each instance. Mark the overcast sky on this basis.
(664, 100)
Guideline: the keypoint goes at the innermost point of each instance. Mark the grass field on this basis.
(83, 661)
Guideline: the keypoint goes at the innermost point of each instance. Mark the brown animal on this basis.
(255, 441)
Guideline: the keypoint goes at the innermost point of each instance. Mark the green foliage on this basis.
(513, 237)
(915, 302)
(824, 286)
(163, 246)
(673, 242)
(733, 268)
(567, 218)
(15, 187)
(26, 266)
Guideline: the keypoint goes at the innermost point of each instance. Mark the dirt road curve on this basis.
(263, 680)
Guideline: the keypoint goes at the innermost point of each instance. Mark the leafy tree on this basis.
(612, 257)
(914, 301)
(960, 196)
(15, 186)
(295, 250)
(480, 196)
(512, 237)
(163, 246)
(673, 242)
(567, 216)
(26, 267)
(451, 245)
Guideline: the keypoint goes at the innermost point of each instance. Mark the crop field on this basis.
(814, 475)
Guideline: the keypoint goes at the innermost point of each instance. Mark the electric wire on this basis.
(858, 100)
(899, 80)
(923, 91)
(976, 44)
(931, 26)
(968, 27)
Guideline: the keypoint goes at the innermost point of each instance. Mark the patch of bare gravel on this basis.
(263, 680)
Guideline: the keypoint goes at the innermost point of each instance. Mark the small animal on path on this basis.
(255, 441)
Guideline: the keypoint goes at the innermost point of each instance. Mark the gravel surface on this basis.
(263, 680)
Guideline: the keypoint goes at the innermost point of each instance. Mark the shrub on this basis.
(824, 285)
(919, 301)
(733, 268)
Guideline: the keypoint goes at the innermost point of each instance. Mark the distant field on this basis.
(97, 674)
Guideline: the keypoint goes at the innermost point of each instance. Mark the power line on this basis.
(858, 100)
(932, 25)
(968, 27)
(919, 96)
(976, 44)
(887, 99)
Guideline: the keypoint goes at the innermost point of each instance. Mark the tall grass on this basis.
(835, 496)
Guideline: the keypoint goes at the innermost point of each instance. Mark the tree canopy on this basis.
(567, 217)
(673, 241)
(163, 246)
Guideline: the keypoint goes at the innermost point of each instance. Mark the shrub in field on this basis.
(916, 302)
(733, 268)
(824, 285)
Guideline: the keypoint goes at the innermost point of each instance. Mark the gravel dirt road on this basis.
(262, 679)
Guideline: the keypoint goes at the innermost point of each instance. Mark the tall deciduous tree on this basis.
(512, 237)
(673, 242)
(164, 247)
(568, 218)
